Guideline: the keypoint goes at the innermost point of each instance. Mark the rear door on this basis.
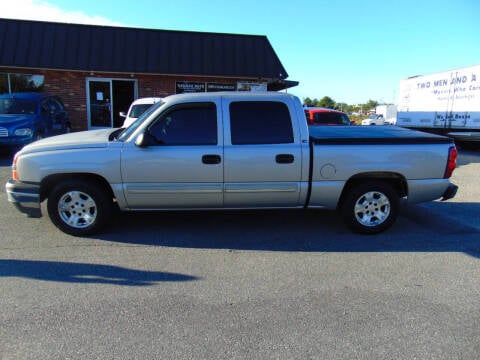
(185, 168)
(262, 154)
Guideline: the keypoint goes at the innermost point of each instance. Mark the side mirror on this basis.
(145, 139)
(122, 114)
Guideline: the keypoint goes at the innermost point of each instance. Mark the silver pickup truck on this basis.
(231, 151)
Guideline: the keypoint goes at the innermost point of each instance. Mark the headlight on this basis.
(24, 132)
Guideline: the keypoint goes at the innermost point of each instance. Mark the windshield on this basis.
(17, 106)
(138, 110)
(125, 134)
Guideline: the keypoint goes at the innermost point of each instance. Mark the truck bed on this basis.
(372, 135)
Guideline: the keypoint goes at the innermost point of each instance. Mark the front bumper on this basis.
(25, 197)
(12, 141)
(450, 192)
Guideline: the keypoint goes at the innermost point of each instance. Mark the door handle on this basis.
(284, 158)
(211, 159)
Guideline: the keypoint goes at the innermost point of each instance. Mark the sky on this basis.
(352, 51)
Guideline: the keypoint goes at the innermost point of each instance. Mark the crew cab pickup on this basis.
(230, 150)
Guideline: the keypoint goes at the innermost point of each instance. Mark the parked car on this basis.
(374, 119)
(26, 117)
(137, 108)
(324, 116)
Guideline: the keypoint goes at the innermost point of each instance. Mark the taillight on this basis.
(452, 162)
(14, 168)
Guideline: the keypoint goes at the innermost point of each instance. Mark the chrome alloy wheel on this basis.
(77, 209)
(372, 208)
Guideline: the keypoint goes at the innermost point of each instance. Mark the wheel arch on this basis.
(396, 180)
(49, 182)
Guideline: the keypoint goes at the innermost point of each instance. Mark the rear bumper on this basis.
(25, 197)
(450, 192)
(473, 136)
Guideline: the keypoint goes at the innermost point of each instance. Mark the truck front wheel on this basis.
(79, 207)
(370, 207)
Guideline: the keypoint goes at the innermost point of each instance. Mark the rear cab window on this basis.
(330, 118)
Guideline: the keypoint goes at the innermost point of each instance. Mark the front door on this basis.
(123, 93)
(100, 106)
(183, 165)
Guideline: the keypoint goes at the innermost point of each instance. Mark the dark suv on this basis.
(26, 117)
(324, 116)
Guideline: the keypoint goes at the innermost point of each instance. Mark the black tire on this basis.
(370, 207)
(79, 207)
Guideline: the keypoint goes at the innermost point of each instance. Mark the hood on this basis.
(7, 120)
(76, 140)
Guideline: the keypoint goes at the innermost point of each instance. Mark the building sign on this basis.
(182, 87)
(251, 86)
(211, 87)
(189, 87)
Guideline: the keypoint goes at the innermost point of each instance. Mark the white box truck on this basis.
(446, 103)
(389, 113)
(384, 115)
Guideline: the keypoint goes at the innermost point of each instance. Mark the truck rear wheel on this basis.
(79, 207)
(370, 207)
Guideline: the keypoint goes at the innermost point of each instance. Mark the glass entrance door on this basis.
(100, 103)
(106, 98)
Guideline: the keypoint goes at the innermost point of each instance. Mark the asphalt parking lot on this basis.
(248, 285)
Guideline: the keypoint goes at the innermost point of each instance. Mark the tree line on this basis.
(328, 102)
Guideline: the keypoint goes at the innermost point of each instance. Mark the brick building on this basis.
(99, 70)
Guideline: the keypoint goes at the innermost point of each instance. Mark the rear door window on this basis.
(260, 122)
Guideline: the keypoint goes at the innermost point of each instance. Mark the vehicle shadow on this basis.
(85, 273)
(416, 230)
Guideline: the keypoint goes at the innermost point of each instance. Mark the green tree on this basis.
(327, 102)
(308, 102)
(342, 107)
(371, 104)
